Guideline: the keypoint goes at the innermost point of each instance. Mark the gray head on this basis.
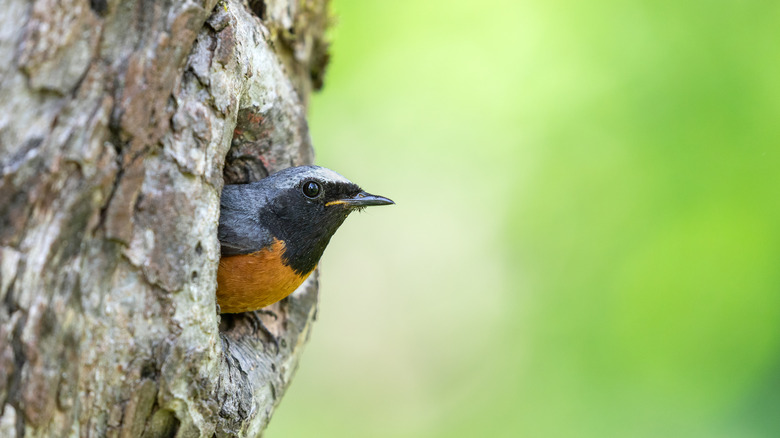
(301, 206)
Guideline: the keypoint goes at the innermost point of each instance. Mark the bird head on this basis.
(306, 207)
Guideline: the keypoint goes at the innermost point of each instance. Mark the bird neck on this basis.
(304, 241)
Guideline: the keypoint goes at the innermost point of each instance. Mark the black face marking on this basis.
(298, 206)
(306, 223)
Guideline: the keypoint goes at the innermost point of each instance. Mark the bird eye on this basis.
(311, 189)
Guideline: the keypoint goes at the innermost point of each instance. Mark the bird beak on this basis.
(362, 199)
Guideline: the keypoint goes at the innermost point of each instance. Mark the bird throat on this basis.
(305, 242)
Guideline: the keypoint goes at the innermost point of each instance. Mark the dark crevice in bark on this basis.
(99, 6)
(259, 8)
(13, 394)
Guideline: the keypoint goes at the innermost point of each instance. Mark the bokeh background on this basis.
(586, 240)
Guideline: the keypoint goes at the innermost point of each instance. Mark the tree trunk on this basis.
(118, 122)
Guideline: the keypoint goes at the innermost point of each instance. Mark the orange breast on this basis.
(252, 281)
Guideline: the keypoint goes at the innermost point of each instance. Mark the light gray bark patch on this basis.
(59, 44)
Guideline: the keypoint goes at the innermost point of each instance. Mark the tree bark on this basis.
(120, 121)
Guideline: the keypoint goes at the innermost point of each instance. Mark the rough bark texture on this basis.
(118, 121)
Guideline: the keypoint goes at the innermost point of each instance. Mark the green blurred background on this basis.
(586, 241)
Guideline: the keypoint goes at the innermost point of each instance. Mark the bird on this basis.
(273, 232)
